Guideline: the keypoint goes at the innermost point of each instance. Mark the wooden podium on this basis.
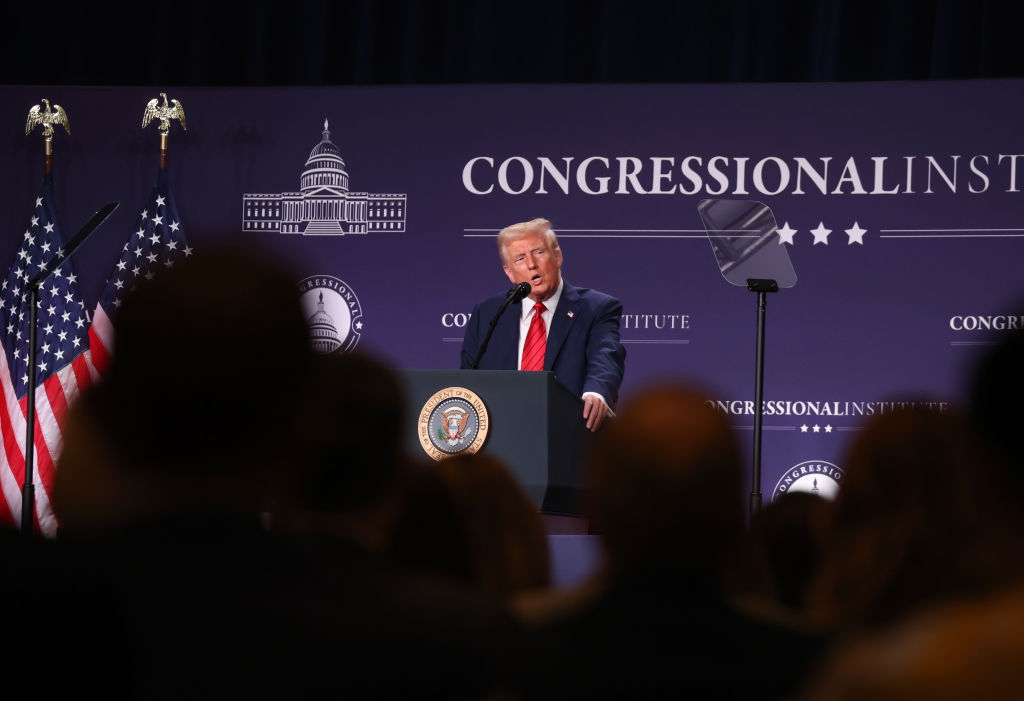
(536, 427)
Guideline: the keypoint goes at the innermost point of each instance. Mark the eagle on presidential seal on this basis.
(455, 420)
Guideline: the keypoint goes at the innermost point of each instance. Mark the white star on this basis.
(117, 302)
(65, 317)
(148, 276)
(17, 354)
(816, 428)
(48, 329)
(59, 355)
(60, 252)
(174, 226)
(803, 429)
(144, 214)
(23, 254)
(188, 251)
(72, 278)
(27, 235)
(46, 348)
(169, 263)
(63, 336)
(79, 322)
(118, 284)
(49, 227)
(359, 325)
(821, 234)
(159, 201)
(856, 234)
(10, 328)
(51, 310)
(828, 428)
(786, 234)
(158, 220)
(54, 291)
(39, 202)
(138, 251)
(141, 232)
(24, 379)
(58, 273)
(46, 247)
(42, 367)
(151, 257)
(135, 270)
(155, 238)
(121, 265)
(35, 222)
(68, 297)
(172, 244)
(75, 341)
(43, 264)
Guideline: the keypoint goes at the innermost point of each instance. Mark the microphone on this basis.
(516, 294)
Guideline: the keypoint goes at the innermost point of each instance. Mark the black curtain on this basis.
(317, 42)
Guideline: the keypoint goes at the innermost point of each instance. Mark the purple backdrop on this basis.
(923, 175)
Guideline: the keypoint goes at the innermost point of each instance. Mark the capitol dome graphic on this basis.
(322, 331)
(324, 204)
(333, 313)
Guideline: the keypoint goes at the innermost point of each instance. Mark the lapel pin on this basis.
(569, 314)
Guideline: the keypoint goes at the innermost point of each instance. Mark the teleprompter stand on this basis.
(743, 236)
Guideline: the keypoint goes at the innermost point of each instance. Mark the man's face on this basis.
(530, 259)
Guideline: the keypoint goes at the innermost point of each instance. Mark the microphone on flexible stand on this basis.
(516, 294)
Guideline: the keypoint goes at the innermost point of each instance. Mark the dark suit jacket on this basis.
(583, 347)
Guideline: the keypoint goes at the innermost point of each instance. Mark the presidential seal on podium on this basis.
(454, 420)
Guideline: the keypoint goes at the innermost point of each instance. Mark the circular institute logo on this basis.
(815, 476)
(452, 421)
(333, 313)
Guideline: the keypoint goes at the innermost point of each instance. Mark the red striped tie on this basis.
(536, 341)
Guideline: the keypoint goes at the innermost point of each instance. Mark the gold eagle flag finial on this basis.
(47, 118)
(165, 113)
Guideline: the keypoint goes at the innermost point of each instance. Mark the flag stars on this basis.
(160, 201)
(54, 291)
(59, 355)
(188, 251)
(79, 322)
(155, 238)
(49, 227)
(41, 366)
(119, 283)
(51, 310)
(46, 348)
(48, 329)
(140, 233)
(46, 247)
(172, 244)
(121, 265)
(39, 202)
(35, 222)
(60, 253)
(158, 220)
(174, 226)
(138, 251)
(75, 341)
(151, 258)
(145, 214)
(72, 279)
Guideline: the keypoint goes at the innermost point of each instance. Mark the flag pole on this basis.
(47, 118)
(170, 109)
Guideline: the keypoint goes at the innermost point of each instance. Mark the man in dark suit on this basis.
(572, 331)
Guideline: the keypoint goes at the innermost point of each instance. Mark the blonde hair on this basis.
(518, 231)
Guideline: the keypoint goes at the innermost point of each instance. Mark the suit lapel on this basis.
(505, 342)
(565, 316)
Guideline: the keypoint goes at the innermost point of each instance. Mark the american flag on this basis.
(156, 243)
(63, 364)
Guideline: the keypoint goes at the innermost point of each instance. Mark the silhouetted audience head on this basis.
(466, 518)
(787, 541)
(353, 424)
(997, 412)
(210, 360)
(665, 487)
(906, 526)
